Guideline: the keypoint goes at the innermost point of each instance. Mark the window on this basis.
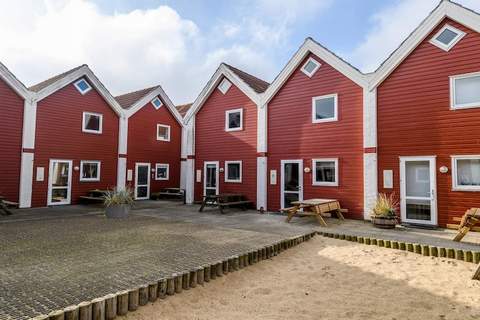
(447, 37)
(224, 86)
(161, 171)
(82, 86)
(325, 172)
(92, 122)
(465, 91)
(466, 173)
(324, 108)
(89, 170)
(157, 103)
(310, 67)
(234, 120)
(233, 171)
(163, 132)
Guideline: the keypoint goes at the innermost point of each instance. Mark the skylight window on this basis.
(157, 103)
(82, 86)
(224, 86)
(310, 67)
(447, 37)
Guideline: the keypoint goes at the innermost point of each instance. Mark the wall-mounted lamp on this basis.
(443, 169)
(306, 170)
(76, 168)
(221, 170)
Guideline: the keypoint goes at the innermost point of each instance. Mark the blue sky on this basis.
(179, 43)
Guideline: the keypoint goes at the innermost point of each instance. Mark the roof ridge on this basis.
(127, 100)
(254, 82)
(43, 84)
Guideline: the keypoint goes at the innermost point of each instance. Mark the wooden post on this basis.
(373, 241)
(40, 317)
(380, 243)
(71, 313)
(110, 307)
(442, 252)
(178, 283)
(186, 280)
(395, 245)
(459, 254)
(213, 271)
(410, 247)
(122, 303)
(236, 263)
(133, 299)
(98, 309)
(143, 295)
(434, 251)
(230, 265)
(162, 289)
(366, 241)
(193, 279)
(206, 273)
(56, 315)
(85, 311)
(417, 248)
(360, 240)
(468, 256)
(425, 250)
(450, 253)
(200, 276)
(240, 261)
(476, 276)
(153, 292)
(225, 266)
(388, 244)
(171, 285)
(476, 257)
(219, 269)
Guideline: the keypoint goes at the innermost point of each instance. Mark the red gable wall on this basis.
(292, 135)
(143, 145)
(213, 143)
(414, 117)
(59, 136)
(11, 124)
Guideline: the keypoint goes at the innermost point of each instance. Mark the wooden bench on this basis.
(170, 193)
(468, 222)
(94, 196)
(223, 201)
(5, 205)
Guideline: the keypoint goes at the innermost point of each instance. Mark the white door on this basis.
(210, 178)
(59, 182)
(418, 188)
(291, 182)
(142, 181)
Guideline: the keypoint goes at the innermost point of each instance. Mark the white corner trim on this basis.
(26, 180)
(262, 128)
(99, 166)
(226, 171)
(227, 122)
(14, 83)
(29, 124)
(314, 172)
(123, 135)
(370, 183)
(100, 128)
(369, 118)
(121, 173)
(189, 180)
(335, 108)
(453, 103)
(262, 178)
(447, 47)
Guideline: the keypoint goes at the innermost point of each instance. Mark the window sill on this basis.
(456, 189)
(233, 181)
(325, 120)
(89, 180)
(91, 131)
(326, 184)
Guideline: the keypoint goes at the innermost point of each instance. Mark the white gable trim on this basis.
(222, 71)
(310, 46)
(14, 83)
(145, 100)
(84, 71)
(445, 9)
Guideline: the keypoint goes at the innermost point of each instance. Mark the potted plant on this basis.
(117, 203)
(384, 213)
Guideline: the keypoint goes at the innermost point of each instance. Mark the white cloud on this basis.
(390, 27)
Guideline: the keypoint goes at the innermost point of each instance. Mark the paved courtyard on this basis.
(53, 258)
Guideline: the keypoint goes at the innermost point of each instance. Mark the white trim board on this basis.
(14, 83)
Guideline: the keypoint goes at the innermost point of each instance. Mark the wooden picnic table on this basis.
(317, 207)
(170, 193)
(225, 200)
(3, 207)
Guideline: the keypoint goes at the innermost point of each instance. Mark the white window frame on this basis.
(226, 171)
(314, 114)
(310, 74)
(227, 122)
(165, 165)
(159, 138)
(455, 185)
(83, 92)
(98, 163)
(435, 42)
(153, 103)
(453, 79)
(100, 129)
(314, 172)
(222, 85)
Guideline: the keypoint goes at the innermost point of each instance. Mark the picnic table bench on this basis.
(225, 200)
(170, 193)
(4, 206)
(467, 223)
(94, 196)
(317, 207)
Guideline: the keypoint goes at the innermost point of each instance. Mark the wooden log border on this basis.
(120, 303)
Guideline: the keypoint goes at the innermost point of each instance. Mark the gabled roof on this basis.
(13, 82)
(183, 108)
(446, 9)
(52, 85)
(247, 83)
(134, 101)
(311, 46)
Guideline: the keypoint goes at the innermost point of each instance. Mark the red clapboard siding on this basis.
(143, 145)
(59, 136)
(213, 143)
(414, 117)
(292, 135)
(11, 124)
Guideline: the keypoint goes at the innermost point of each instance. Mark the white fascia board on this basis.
(148, 98)
(310, 46)
(222, 71)
(369, 118)
(14, 83)
(123, 135)
(188, 138)
(445, 9)
(29, 124)
(84, 71)
(262, 123)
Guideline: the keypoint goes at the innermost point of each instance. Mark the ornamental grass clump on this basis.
(386, 206)
(118, 197)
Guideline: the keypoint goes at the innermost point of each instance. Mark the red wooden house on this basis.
(154, 141)
(428, 100)
(314, 139)
(76, 138)
(14, 99)
(222, 156)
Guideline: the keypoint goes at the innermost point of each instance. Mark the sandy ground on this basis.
(332, 279)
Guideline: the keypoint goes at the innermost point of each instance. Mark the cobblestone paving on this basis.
(48, 264)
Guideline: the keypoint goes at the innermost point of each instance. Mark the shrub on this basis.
(118, 197)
